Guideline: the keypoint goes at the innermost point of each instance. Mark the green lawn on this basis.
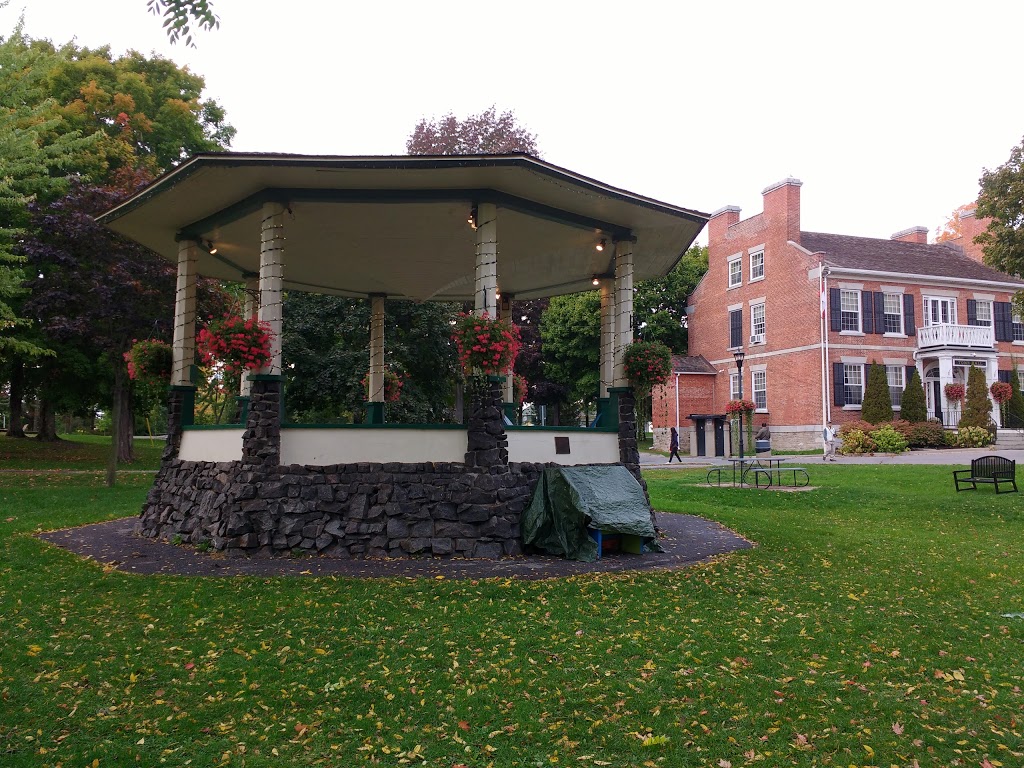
(79, 452)
(865, 629)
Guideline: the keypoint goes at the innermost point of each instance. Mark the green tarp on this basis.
(569, 500)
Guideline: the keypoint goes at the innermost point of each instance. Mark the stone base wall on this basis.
(348, 511)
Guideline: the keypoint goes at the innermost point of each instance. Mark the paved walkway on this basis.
(947, 456)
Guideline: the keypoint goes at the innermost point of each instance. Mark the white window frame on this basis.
(760, 393)
(734, 386)
(984, 321)
(755, 309)
(756, 265)
(847, 295)
(737, 274)
(938, 302)
(848, 369)
(1016, 329)
(896, 377)
(898, 314)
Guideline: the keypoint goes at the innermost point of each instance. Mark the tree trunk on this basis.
(47, 424)
(123, 425)
(16, 426)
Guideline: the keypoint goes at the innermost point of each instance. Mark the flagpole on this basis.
(822, 293)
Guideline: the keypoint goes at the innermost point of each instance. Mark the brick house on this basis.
(811, 311)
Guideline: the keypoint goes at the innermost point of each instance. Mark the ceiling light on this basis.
(600, 245)
(595, 281)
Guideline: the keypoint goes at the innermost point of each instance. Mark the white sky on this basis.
(887, 111)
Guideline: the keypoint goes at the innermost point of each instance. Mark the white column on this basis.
(376, 377)
(251, 309)
(607, 336)
(623, 307)
(184, 348)
(486, 285)
(271, 279)
(509, 390)
(946, 377)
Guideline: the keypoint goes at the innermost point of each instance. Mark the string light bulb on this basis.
(211, 248)
(600, 245)
(472, 216)
(595, 281)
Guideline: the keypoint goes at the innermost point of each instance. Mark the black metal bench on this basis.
(987, 469)
(775, 475)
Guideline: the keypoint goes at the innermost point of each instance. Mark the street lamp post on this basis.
(738, 355)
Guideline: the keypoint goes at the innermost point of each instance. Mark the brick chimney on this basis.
(912, 235)
(970, 227)
(720, 221)
(782, 205)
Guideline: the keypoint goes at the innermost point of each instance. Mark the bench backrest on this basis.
(993, 466)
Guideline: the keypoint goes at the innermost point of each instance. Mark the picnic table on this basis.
(765, 470)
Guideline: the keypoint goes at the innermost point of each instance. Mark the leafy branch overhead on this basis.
(180, 15)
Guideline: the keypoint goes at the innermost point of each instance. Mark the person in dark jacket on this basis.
(673, 446)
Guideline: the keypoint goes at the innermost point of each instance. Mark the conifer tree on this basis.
(877, 405)
(978, 406)
(1015, 405)
(912, 407)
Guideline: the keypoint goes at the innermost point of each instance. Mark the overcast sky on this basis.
(887, 111)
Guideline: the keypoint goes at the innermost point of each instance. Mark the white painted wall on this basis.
(586, 447)
(319, 447)
(211, 445)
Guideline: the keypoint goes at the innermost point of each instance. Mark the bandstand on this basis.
(481, 229)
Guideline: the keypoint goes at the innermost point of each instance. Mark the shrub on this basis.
(889, 440)
(972, 437)
(949, 438)
(855, 441)
(855, 426)
(978, 408)
(877, 405)
(927, 434)
(912, 407)
(1015, 405)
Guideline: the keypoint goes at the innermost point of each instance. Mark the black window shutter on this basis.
(736, 328)
(1003, 320)
(867, 312)
(879, 312)
(835, 309)
(1005, 376)
(972, 312)
(908, 315)
(838, 384)
(907, 375)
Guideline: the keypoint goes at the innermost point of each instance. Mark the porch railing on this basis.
(970, 336)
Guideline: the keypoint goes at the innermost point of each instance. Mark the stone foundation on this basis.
(348, 511)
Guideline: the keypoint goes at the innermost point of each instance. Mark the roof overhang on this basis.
(399, 225)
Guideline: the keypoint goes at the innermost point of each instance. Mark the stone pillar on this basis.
(184, 345)
(261, 441)
(629, 453)
(181, 403)
(607, 356)
(623, 307)
(486, 443)
(375, 378)
(271, 278)
(486, 285)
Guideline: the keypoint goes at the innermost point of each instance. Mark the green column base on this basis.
(604, 405)
(374, 413)
(188, 404)
(242, 408)
(613, 405)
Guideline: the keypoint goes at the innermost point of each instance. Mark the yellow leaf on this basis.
(869, 750)
(133, 677)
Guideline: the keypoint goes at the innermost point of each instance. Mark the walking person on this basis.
(829, 434)
(673, 446)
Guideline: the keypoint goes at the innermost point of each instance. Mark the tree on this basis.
(485, 134)
(1002, 200)
(953, 229)
(978, 406)
(659, 305)
(180, 15)
(912, 406)
(570, 331)
(877, 405)
(1015, 405)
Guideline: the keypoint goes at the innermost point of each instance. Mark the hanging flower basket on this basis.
(520, 389)
(485, 345)
(955, 392)
(393, 384)
(647, 364)
(734, 407)
(1001, 391)
(149, 362)
(235, 344)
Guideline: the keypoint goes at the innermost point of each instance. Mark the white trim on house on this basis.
(909, 277)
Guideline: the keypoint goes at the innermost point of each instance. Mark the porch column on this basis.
(946, 377)
(607, 355)
(249, 309)
(182, 398)
(185, 315)
(508, 391)
(623, 308)
(375, 379)
(261, 441)
(486, 285)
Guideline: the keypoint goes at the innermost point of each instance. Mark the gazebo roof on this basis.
(399, 225)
